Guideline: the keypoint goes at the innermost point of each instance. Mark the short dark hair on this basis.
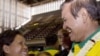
(89, 5)
(51, 39)
(6, 38)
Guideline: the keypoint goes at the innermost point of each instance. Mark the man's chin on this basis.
(74, 40)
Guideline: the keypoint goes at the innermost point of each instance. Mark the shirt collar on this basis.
(50, 48)
(81, 44)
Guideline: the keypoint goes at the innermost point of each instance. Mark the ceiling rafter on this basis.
(35, 2)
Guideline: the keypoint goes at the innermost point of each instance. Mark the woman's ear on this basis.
(6, 48)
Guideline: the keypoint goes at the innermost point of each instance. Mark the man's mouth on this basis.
(69, 30)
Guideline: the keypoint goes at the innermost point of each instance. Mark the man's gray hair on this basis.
(89, 5)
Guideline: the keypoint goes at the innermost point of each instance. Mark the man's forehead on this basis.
(66, 5)
(66, 9)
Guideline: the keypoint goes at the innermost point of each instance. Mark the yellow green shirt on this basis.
(94, 51)
(52, 51)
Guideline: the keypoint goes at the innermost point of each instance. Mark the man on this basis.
(81, 21)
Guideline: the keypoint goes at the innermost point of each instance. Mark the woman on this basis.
(65, 43)
(12, 43)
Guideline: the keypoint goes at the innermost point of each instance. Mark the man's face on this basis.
(74, 25)
(18, 47)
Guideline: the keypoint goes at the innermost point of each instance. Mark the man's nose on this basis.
(64, 26)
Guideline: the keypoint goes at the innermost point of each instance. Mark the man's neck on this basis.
(90, 31)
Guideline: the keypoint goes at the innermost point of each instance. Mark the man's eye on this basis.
(64, 19)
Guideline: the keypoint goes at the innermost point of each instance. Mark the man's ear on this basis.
(83, 14)
(6, 48)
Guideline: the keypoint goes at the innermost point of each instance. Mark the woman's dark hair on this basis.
(6, 38)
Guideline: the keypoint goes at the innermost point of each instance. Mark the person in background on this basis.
(65, 42)
(52, 44)
(43, 54)
(12, 43)
(64, 39)
(81, 20)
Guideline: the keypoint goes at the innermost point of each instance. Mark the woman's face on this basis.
(18, 47)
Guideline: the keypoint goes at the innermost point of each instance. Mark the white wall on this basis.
(13, 13)
(97, 0)
(47, 7)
